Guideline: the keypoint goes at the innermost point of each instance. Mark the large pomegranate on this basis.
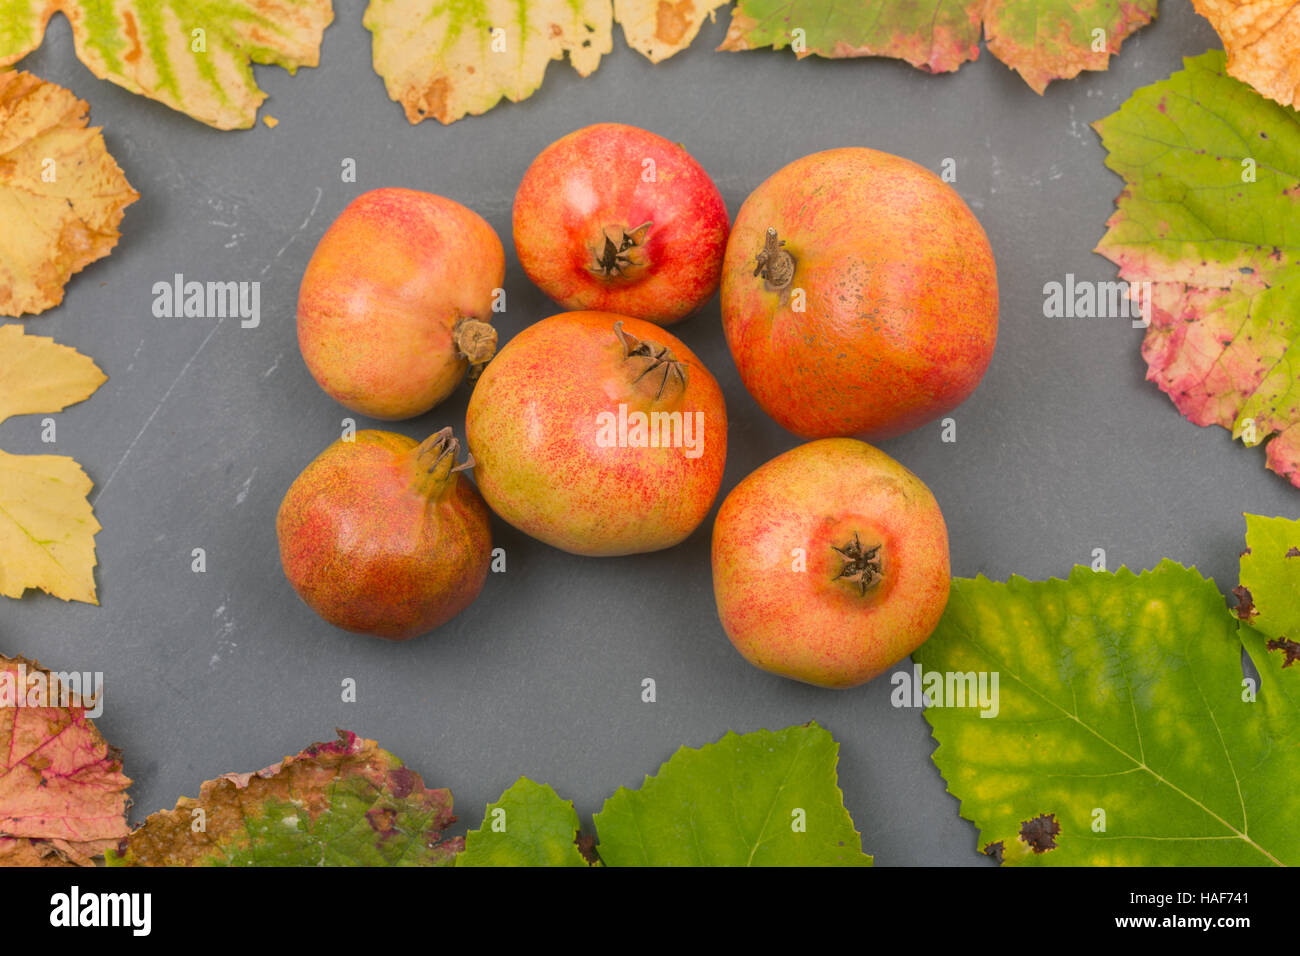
(395, 303)
(616, 218)
(859, 295)
(830, 563)
(382, 536)
(599, 434)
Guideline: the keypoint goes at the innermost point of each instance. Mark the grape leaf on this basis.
(759, 799)
(47, 528)
(531, 825)
(446, 59)
(39, 375)
(62, 791)
(61, 193)
(345, 803)
(1123, 733)
(1262, 39)
(193, 55)
(1270, 583)
(659, 28)
(1043, 40)
(1207, 214)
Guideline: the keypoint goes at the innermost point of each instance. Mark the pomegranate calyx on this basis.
(435, 461)
(774, 263)
(861, 565)
(617, 253)
(655, 356)
(476, 342)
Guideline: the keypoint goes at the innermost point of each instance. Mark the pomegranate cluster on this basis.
(858, 300)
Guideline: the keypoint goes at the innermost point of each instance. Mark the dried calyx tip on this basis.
(436, 455)
(476, 342)
(774, 263)
(657, 356)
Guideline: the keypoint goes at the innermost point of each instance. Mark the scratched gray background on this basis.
(203, 425)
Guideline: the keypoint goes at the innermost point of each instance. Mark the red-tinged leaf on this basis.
(62, 791)
(344, 803)
(1208, 218)
(1043, 40)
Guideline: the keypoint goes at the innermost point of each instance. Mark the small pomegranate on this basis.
(599, 434)
(830, 563)
(616, 218)
(395, 304)
(859, 295)
(382, 536)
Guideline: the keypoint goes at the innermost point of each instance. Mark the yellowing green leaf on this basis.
(1262, 39)
(61, 193)
(47, 528)
(1124, 732)
(39, 375)
(193, 55)
(660, 28)
(448, 58)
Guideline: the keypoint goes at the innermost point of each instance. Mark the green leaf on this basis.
(1043, 40)
(1207, 217)
(529, 826)
(1270, 582)
(760, 799)
(193, 55)
(1121, 703)
(346, 803)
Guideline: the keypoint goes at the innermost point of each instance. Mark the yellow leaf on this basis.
(61, 193)
(446, 59)
(39, 375)
(195, 57)
(660, 28)
(47, 529)
(1262, 39)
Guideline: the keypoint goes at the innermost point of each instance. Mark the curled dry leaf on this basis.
(1262, 38)
(194, 57)
(345, 803)
(1043, 41)
(61, 193)
(62, 791)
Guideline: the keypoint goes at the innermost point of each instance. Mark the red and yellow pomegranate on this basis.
(395, 305)
(383, 536)
(830, 563)
(616, 218)
(599, 434)
(859, 295)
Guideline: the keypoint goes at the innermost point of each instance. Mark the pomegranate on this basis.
(830, 563)
(382, 536)
(395, 305)
(859, 295)
(599, 434)
(616, 218)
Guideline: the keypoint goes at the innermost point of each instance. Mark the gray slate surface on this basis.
(203, 425)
